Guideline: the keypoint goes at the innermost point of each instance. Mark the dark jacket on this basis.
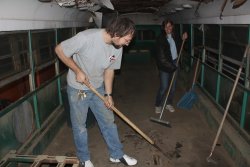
(163, 56)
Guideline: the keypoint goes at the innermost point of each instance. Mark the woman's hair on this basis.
(164, 23)
(120, 27)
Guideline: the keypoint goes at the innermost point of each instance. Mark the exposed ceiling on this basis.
(158, 7)
(131, 6)
(152, 6)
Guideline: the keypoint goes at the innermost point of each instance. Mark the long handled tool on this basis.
(228, 104)
(222, 8)
(158, 120)
(189, 98)
(129, 122)
(238, 3)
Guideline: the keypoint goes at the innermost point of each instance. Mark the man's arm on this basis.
(108, 80)
(80, 75)
(108, 83)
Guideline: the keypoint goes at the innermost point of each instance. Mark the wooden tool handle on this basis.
(195, 72)
(230, 99)
(123, 117)
(172, 80)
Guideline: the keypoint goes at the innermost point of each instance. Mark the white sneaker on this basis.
(157, 110)
(87, 163)
(170, 108)
(126, 160)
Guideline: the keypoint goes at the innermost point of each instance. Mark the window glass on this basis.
(198, 35)
(145, 35)
(13, 53)
(43, 44)
(63, 34)
(234, 41)
(212, 33)
(79, 29)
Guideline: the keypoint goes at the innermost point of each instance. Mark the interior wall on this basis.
(33, 14)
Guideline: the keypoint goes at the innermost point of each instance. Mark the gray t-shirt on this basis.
(92, 55)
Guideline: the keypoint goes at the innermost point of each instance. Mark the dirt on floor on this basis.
(187, 143)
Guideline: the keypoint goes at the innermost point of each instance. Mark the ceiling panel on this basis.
(160, 7)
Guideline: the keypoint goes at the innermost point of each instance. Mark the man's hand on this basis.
(108, 101)
(81, 77)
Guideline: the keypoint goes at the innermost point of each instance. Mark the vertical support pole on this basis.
(181, 32)
(32, 80)
(203, 35)
(203, 57)
(243, 110)
(203, 66)
(181, 29)
(192, 42)
(58, 71)
(220, 60)
(190, 49)
(73, 31)
(246, 94)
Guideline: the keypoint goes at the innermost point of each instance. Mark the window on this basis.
(13, 54)
(198, 35)
(63, 34)
(79, 29)
(43, 44)
(234, 41)
(6, 57)
(145, 35)
(212, 39)
(212, 33)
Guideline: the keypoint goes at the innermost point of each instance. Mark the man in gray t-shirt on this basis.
(92, 56)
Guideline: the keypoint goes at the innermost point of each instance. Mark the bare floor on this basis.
(187, 143)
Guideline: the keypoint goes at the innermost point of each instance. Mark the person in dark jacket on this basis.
(166, 59)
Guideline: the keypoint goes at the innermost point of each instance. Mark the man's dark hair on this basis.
(120, 27)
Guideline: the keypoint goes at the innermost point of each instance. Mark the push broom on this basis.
(159, 120)
(190, 97)
(121, 115)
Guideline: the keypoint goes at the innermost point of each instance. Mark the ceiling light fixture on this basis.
(173, 11)
(179, 9)
(187, 6)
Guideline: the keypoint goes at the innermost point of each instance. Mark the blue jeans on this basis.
(105, 118)
(165, 79)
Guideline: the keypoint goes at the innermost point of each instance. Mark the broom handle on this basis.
(196, 71)
(172, 80)
(229, 101)
(123, 117)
